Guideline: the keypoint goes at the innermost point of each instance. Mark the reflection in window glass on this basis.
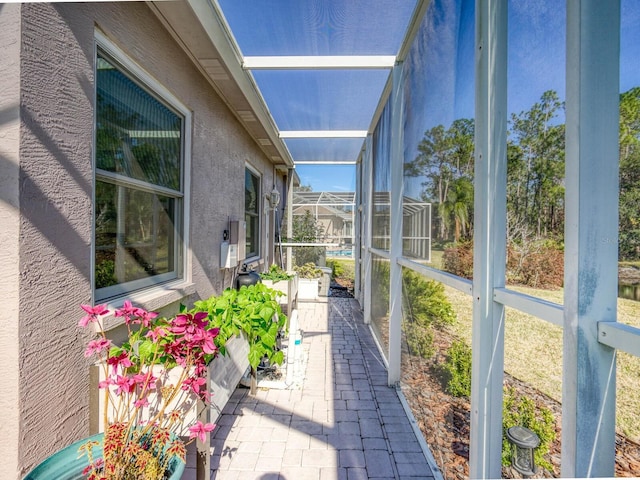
(436, 367)
(535, 144)
(628, 366)
(380, 301)
(439, 135)
(381, 223)
(136, 134)
(138, 196)
(629, 227)
(135, 235)
(252, 212)
(438, 228)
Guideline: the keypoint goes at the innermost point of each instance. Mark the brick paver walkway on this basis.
(345, 423)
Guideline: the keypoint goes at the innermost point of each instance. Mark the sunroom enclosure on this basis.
(591, 333)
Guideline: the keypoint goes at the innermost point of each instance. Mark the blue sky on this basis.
(442, 90)
(328, 178)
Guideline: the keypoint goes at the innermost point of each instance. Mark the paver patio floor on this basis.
(344, 423)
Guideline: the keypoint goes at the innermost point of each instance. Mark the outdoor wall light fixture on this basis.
(274, 198)
(524, 442)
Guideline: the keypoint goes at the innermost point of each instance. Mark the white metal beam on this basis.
(323, 134)
(367, 200)
(543, 309)
(620, 336)
(591, 240)
(395, 218)
(325, 162)
(489, 239)
(337, 62)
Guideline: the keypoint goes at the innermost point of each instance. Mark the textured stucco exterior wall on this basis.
(55, 230)
(9, 233)
(56, 181)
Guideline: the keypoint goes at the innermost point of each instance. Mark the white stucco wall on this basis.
(53, 246)
(9, 234)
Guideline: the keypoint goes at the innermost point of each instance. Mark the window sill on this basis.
(151, 299)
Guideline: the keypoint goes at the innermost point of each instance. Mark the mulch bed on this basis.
(444, 420)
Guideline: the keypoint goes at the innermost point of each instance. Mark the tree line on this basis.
(535, 174)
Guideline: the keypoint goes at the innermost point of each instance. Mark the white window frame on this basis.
(258, 253)
(147, 288)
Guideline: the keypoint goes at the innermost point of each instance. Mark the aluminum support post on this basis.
(591, 239)
(367, 227)
(395, 213)
(489, 238)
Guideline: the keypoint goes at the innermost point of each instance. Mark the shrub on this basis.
(425, 302)
(458, 368)
(521, 410)
(419, 340)
(339, 270)
(537, 264)
(458, 259)
(308, 270)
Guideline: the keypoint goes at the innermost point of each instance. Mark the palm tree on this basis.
(458, 205)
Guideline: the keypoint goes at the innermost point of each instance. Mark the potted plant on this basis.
(151, 385)
(280, 280)
(253, 312)
(308, 285)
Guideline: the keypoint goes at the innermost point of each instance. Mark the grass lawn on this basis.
(533, 352)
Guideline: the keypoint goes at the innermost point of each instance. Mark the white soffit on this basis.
(319, 62)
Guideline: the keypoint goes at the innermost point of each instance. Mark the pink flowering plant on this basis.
(151, 384)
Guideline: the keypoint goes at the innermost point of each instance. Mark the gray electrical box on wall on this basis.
(234, 250)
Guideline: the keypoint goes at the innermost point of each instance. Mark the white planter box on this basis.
(225, 372)
(308, 289)
(290, 290)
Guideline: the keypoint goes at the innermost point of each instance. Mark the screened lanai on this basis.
(498, 122)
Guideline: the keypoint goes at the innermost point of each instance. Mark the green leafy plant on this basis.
(308, 270)
(254, 312)
(521, 410)
(458, 368)
(276, 274)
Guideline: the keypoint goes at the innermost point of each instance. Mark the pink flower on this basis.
(207, 337)
(188, 323)
(200, 430)
(127, 311)
(122, 360)
(146, 380)
(105, 383)
(125, 384)
(146, 317)
(97, 346)
(156, 333)
(92, 314)
(142, 402)
(194, 383)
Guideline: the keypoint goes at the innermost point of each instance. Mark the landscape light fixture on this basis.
(524, 442)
